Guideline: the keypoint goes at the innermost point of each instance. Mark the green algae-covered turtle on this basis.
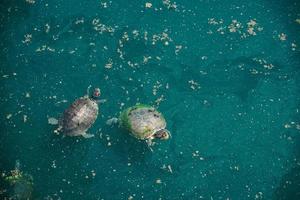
(21, 183)
(80, 116)
(144, 122)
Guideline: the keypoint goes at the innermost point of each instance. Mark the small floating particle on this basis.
(24, 118)
(298, 21)
(27, 38)
(194, 85)
(47, 28)
(282, 36)
(130, 197)
(27, 95)
(177, 49)
(293, 46)
(170, 169)
(93, 173)
(158, 181)
(30, 1)
(148, 5)
(8, 116)
(109, 64)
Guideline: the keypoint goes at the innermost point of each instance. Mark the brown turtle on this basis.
(80, 116)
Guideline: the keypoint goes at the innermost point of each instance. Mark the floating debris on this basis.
(30, 1)
(177, 49)
(27, 38)
(158, 181)
(148, 5)
(168, 168)
(170, 5)
(109, 64)
(213, 21)
(146, 59)
(294, 46)
(44, 48)
(235, 26)
(8, 116)
(25, 118)
(250, 29)
(282, 36)
(194, 85)
(156, 87)
(102, 28)
(264, 63)
(47, 28)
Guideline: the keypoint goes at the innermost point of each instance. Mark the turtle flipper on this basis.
(53, 121)
(112, 121)
(87, 135)
(88, 91)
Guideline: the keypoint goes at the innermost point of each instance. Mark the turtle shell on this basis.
(79, 117)
(142, 121)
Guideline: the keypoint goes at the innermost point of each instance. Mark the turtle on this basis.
(143, 122)
(80, 115)
(20, 183)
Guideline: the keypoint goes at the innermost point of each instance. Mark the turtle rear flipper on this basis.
(53, 121)
(112, 121)
(87, 135)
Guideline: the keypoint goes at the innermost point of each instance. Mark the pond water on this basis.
(225, 74)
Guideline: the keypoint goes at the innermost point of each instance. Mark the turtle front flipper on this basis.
(87, 135)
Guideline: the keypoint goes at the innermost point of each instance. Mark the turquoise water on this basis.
(225, 74)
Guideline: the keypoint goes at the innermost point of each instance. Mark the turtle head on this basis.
(96, 94)
(162, 134)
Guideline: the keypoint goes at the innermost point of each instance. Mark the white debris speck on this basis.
(194, 85)
(282, 36)
(104, 4)
(27, 38)
(109, 64)
(8, 116)
(170, 169)
(287, 126)
(24, 118)
(170, 5)
(294, 46)
(148, 5)
(130, 197)
(53, 165)
(177, 49)
(158, 181)
(47, 28)
(30, 1)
